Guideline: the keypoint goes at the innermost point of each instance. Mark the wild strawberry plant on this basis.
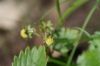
(57, 42)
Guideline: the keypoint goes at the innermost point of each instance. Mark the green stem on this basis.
(81, 33)
(68, 11)
(59, 11)
(72, 8)
(58, 7)
(85, 32)
(56, 61)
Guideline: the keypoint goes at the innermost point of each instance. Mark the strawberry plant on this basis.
(58, 41)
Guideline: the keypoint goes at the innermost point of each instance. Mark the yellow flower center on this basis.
(23, 34)
(49, 40)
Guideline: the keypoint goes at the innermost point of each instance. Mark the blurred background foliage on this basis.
(15, 14)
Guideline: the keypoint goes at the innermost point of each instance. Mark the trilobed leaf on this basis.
(31, 57)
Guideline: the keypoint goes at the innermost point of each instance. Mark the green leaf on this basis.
(67, 35)
(89, 58)
(95, 42)
(31, 57)
(92, 56)
(64, 39)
